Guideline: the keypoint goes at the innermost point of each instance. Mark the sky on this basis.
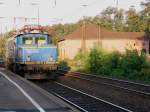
(54, 11)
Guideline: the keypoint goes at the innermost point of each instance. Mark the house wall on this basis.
(70, 48)
(118, 44)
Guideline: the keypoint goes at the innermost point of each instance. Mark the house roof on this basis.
(93, 31)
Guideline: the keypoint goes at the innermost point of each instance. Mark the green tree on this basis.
(111, 18)
(3, 39)
(59, 30)
(145, 15)
(106, 18)
(119, 20)
(133, 22)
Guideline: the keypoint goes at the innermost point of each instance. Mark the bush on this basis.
(144, 75)
(111, 62)
(132, 62)
(80, 61)
(101, 62)
(131, 65)
(63, 65)
(118, 73)
(96, 61)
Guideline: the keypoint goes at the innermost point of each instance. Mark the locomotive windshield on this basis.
(40, 40)
(35, 39)
(27, 40)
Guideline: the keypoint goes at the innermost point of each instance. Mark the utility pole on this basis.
(38, 11)
(2, 41)
(55, 2)
(115, 12)
(19, 2)
(116, 4)
(2, 47)
(83, 42)
(1, 25)
(99, 35)
(1, 3)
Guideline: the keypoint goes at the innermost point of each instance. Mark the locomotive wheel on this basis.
(14, 69)
(52, 75)
(21, 70)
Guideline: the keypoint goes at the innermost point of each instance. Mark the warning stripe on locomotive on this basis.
(30, 62)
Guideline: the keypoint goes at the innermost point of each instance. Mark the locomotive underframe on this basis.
(36, 71)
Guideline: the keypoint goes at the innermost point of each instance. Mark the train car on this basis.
(32, 54)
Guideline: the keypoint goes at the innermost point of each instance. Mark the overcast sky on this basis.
(52, 11)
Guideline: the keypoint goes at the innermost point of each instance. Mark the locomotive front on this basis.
(36, 56)
(32, 54)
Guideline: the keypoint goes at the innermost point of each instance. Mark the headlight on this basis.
(51, 58)
(28, 58)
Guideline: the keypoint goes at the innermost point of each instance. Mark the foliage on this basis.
(2, 46)
(101, 62)
(3, 39)
(63, 65)
(80, 61)
(131, 65)
(111, 62)
(133, 22)
(111, 18)
(58, 31)
(133, 61)
(145, 15)
(96, 60)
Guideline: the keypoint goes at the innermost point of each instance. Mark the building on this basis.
(89, 36)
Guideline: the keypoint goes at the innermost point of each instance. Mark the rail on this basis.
(132, 95)
(81, 100)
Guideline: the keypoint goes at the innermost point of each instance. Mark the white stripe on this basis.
(24, 93)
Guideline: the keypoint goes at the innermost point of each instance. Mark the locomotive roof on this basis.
(30, 33)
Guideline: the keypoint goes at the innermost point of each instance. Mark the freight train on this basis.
(31, 53)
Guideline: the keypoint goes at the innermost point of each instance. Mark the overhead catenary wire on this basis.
(55, 2)
(19, 2)
(116, 3)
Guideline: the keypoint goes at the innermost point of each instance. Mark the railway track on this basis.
(134, 96)
(133, 86)
(81, 100)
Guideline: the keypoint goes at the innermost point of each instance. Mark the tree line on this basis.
(111, 18)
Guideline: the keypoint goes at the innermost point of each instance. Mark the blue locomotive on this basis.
(32, 54)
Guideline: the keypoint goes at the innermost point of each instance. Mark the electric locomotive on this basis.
(31, 53)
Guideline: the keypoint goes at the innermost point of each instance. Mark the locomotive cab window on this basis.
(40, 41)
(27, 40)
